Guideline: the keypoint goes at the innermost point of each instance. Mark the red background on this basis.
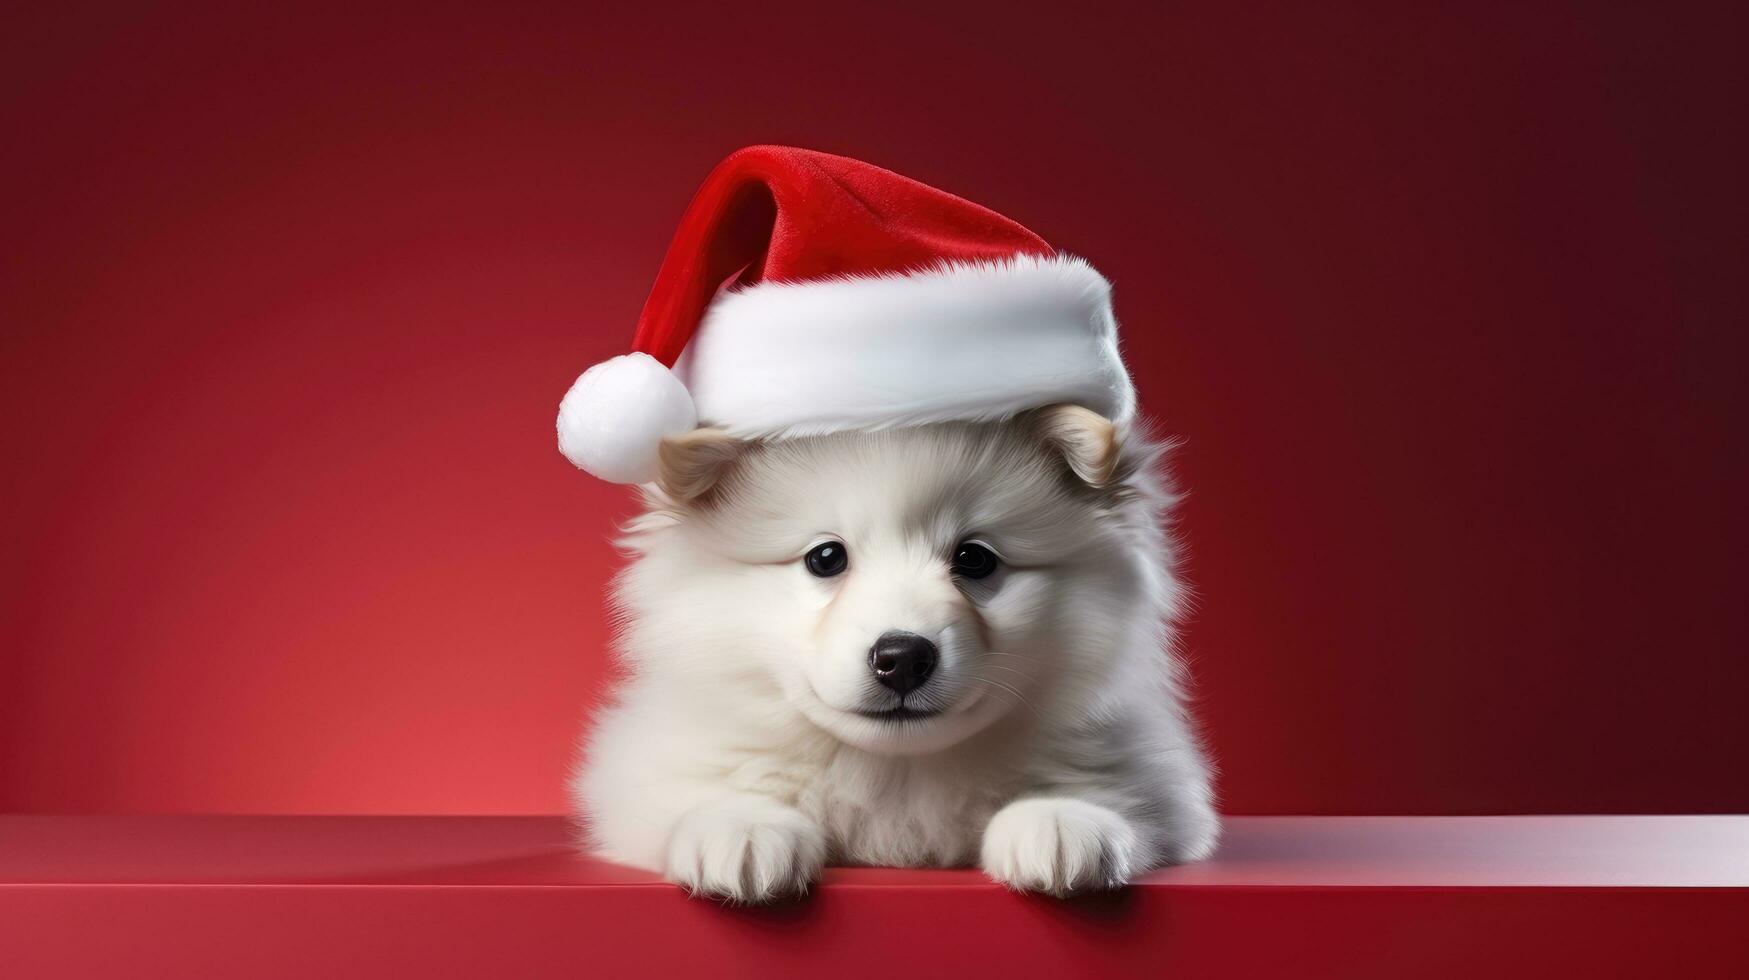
(1448, 303)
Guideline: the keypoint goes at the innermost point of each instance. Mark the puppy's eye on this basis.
(827, 559)
(973, 560)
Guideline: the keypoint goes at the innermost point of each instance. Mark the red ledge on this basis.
(506, 896)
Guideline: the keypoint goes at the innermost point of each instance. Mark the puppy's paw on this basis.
(1059, 845)
(745, 849)
(1192, 836)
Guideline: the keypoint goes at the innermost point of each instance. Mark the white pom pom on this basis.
(612, 421)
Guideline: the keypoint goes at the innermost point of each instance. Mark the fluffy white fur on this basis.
(973, 340)
(731, 757)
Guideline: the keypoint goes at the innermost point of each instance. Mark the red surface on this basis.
(1354, 897)
(1297, 852)
(1447, 300)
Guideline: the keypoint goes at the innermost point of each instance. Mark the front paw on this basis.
(745, 849)
(1058, 845)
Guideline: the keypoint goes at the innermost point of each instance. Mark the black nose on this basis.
(902, 661)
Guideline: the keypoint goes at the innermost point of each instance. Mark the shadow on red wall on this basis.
(1448, 305)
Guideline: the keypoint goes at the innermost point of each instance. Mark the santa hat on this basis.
(807, 293)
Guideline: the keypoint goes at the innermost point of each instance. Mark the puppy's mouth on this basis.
(900, 713)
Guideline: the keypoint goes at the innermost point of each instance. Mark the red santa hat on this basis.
(807, 293)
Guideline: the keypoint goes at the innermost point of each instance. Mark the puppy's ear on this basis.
(689, 465)
(1086, 439)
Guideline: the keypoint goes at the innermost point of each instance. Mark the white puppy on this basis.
(930, 646)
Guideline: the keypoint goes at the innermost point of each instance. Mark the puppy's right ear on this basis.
(689, 465)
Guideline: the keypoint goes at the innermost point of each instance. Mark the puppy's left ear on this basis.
(691, 464)
(1087, 440)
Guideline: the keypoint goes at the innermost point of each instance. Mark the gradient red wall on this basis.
(1447, 302)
